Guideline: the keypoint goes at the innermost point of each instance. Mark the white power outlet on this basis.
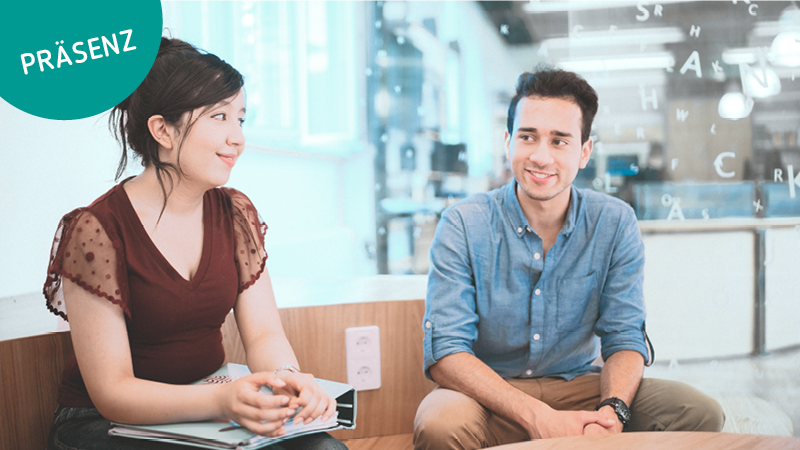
(363, 345)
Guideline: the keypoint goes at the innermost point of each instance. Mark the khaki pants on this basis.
(448, 419)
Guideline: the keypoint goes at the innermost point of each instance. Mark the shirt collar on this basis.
(513, 211)
(518, 220)
(572, 211)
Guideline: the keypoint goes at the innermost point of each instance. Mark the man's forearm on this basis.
(467, 374)
(621, 375)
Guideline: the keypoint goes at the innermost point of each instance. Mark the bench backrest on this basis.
(30, 371)
(317, 337)
(31, 368)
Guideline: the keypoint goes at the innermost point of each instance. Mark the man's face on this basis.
(545, 148)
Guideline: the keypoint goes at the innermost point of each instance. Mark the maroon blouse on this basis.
(173, 323)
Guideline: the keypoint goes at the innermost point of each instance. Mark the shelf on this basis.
(733, 224)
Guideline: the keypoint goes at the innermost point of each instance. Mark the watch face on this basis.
(622, 411)
(620, 408)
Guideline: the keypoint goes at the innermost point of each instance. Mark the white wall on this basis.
(47, 168)
(782, 287)
(320, 211)
(699, 290)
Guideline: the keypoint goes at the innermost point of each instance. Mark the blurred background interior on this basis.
(397, 109)
(366, 119)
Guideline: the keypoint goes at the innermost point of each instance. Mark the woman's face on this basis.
(214, 143)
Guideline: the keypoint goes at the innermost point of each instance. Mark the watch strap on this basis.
(620, 409)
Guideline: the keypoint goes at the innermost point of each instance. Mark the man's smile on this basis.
(539, 176)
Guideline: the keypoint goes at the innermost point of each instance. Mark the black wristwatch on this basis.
(620, 408)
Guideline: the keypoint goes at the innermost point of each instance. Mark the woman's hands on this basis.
(266, 347)
(305, 393)
(266, 414)
(260, 413)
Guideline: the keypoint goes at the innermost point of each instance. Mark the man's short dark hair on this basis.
(550, 82)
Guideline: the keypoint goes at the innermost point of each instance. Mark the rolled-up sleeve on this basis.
(450, 322)
(622, 311)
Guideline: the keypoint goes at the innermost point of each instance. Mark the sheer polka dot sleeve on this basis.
(249, 232)
(86, 254)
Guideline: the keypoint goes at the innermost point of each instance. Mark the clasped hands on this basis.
(550, 423)
(266, 414)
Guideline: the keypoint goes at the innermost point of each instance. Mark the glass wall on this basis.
(298, 59)
(699, 106)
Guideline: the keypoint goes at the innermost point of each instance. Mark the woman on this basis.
(148, 272)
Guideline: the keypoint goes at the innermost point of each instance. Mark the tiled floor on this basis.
(752, 387)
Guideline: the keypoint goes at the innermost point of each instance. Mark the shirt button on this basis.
(537, 292)
(536, 256)
(427, 324)
(536, 337)
(529, 372)
(519, 230)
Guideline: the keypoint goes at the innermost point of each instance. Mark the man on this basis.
(528, 283)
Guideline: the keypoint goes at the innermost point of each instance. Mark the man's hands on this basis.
(594, 428)
(305, 393)
(549, 423)
(620, 377)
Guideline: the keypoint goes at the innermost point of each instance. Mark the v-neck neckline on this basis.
(159, 257)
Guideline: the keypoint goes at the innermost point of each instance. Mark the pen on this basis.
(233, 426)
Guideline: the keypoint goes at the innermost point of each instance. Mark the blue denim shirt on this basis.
(492, 294)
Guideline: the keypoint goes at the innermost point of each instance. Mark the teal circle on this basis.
(91, 84)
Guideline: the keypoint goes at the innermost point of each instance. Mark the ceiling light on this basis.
(790, 18)
(766, 28)
(625, 37)
(735, 56)
(536, 6)
(735, 106)
(660, 60)
(785, 49)
(382, 103)
(759, 82)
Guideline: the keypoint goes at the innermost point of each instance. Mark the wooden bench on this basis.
(31, 370)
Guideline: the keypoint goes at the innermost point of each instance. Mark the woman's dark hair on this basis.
(181, 80)
(549, 82)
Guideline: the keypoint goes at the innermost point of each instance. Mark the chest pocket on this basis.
(578, 302)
